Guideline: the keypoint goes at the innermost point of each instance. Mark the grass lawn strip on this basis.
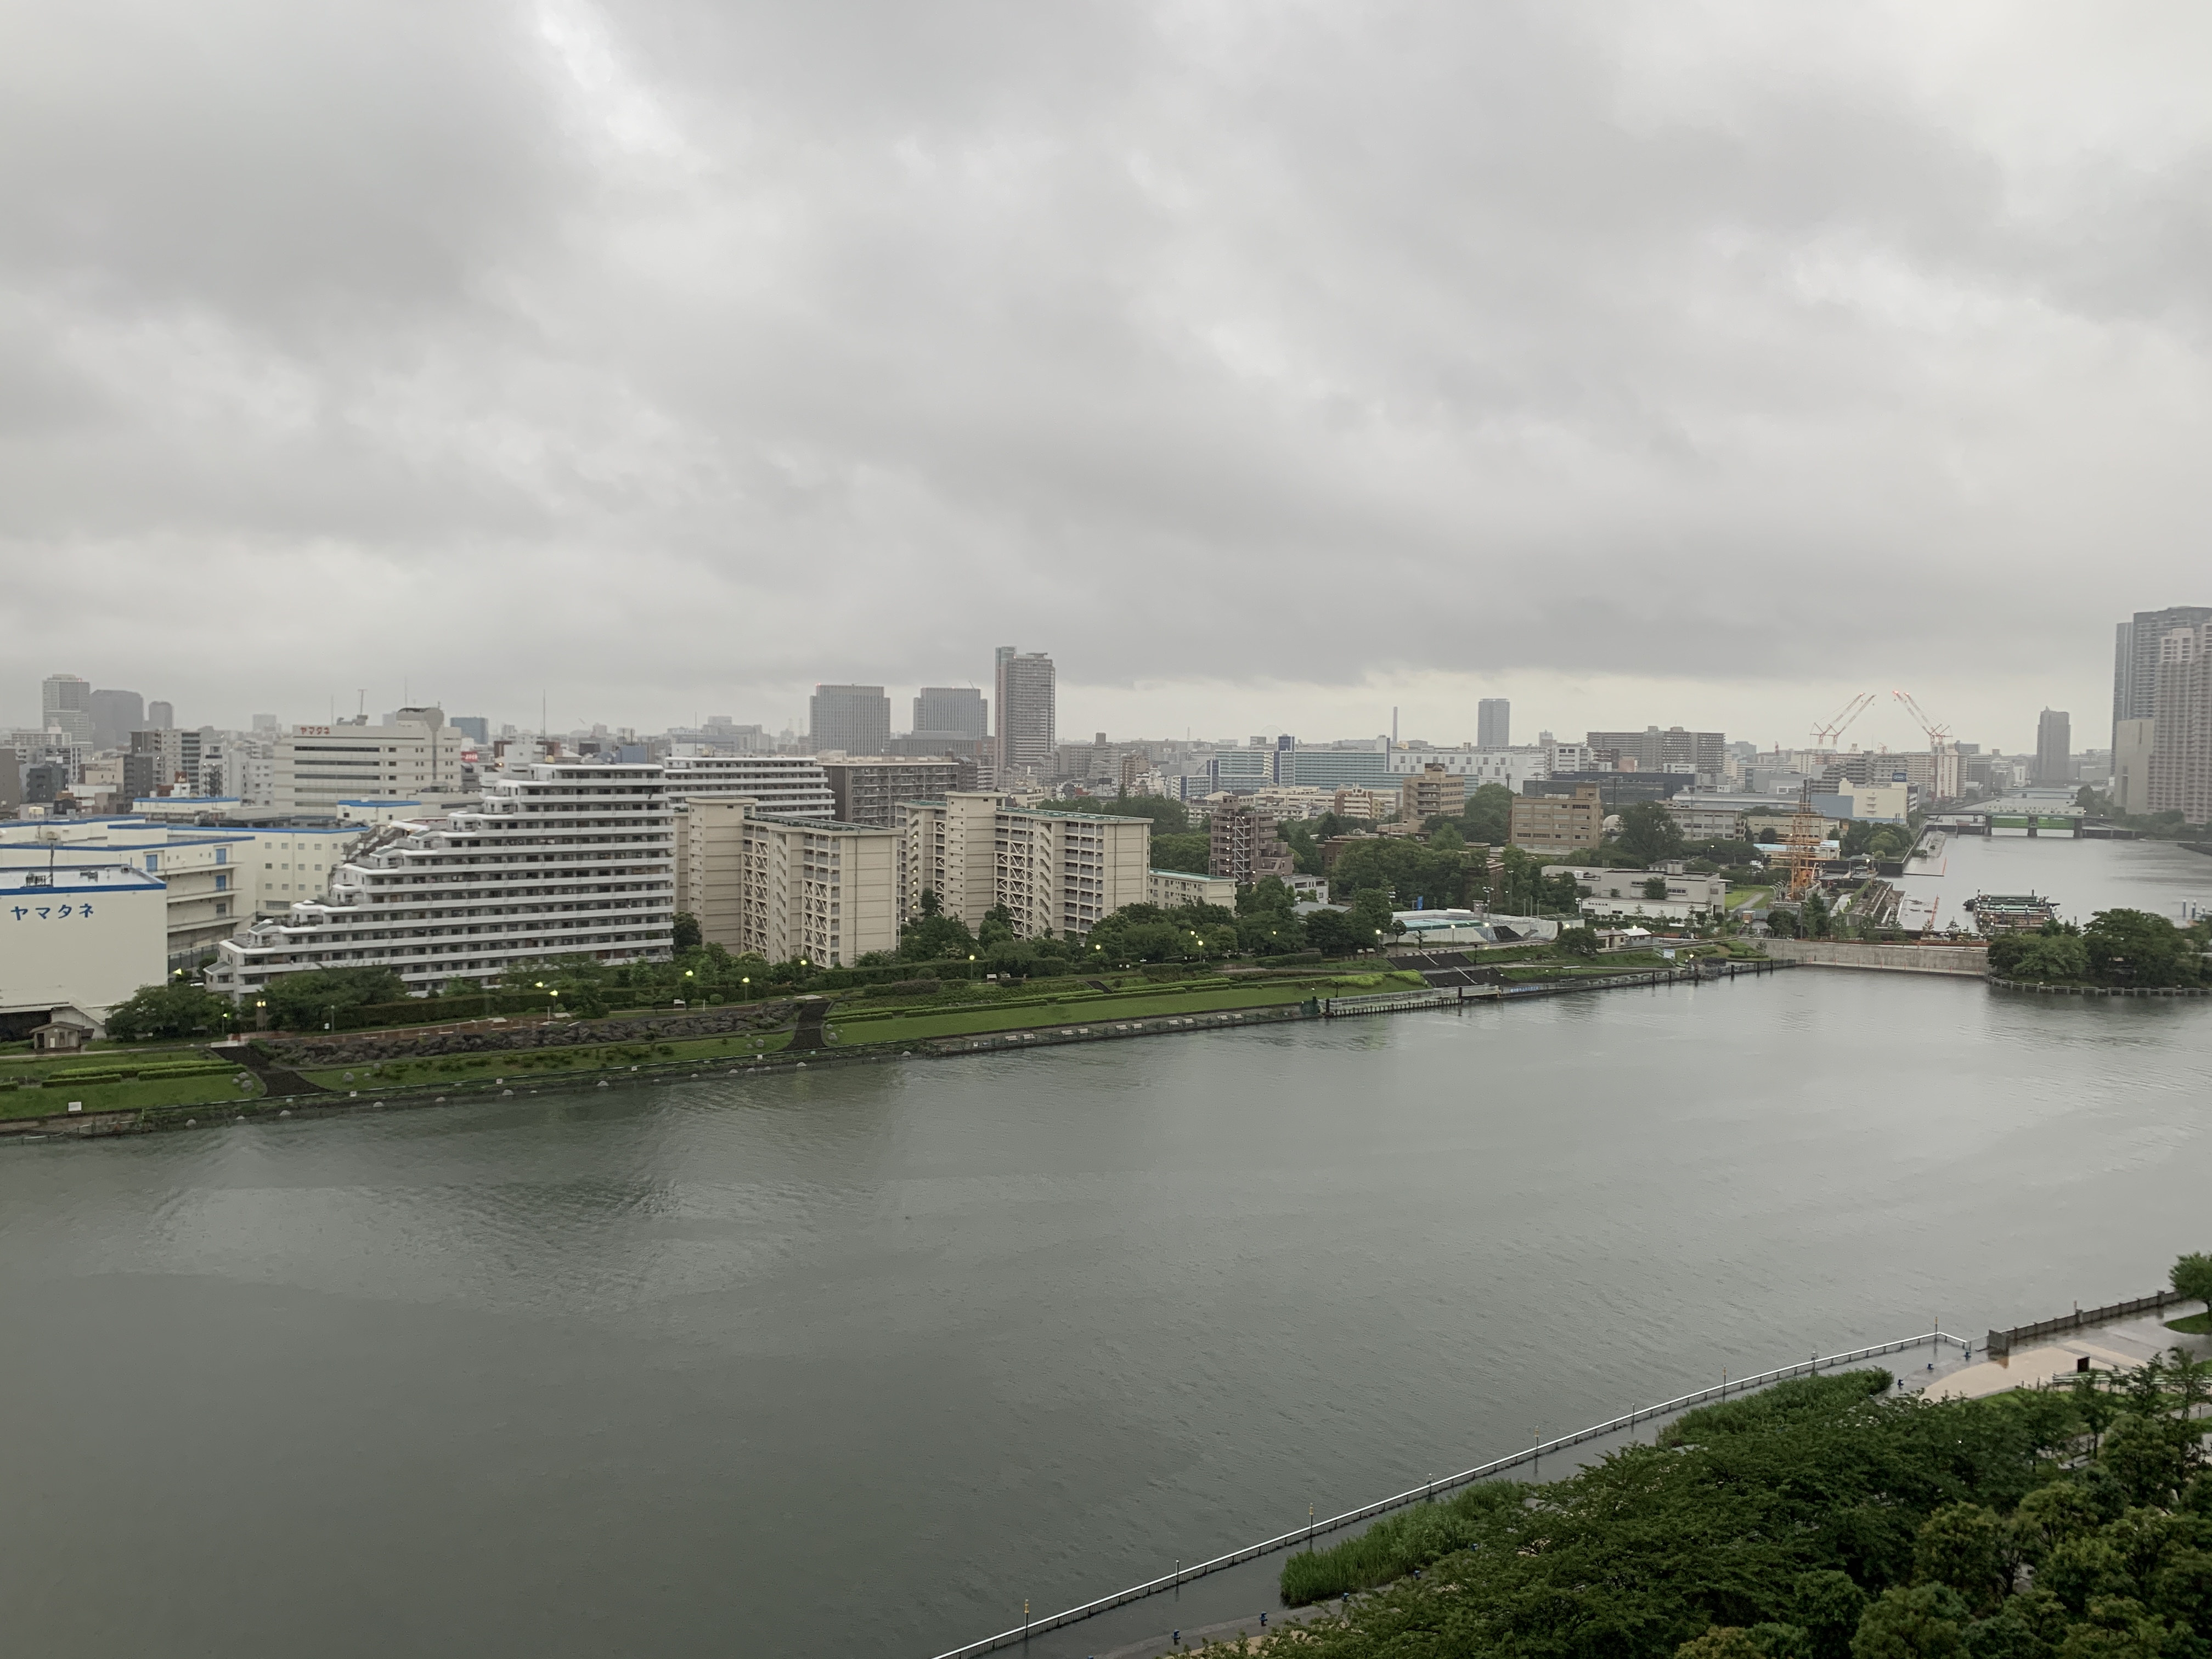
(129, 1096)
(1103, 1012)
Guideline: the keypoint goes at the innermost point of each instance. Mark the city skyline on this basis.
(1857, 336)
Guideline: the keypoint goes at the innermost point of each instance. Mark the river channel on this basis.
(854, 1361)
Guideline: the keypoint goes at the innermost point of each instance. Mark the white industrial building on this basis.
(1509, 768)
(77, 937)
(563, 858)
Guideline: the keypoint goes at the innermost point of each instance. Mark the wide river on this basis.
(853, 1362)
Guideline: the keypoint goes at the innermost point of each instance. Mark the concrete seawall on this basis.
(1965, 960)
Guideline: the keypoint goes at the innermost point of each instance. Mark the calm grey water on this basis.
(854, 1362)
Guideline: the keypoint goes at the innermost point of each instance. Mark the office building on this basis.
(852, 720)
(161, 716)
(868, 790)
(1493, 724)
(1558, 824)
(787, 889)
(1332, 768)
(115, 716)
(1028, 711)
(1651, 749)
(1433, 791)
(783, 786)
(66, 706)
(2136, 659)
(1509, 769)
(2181, 728)
(162, 763)
(2131, 766)
(959, 711)
(561, 857)
(79, 932)
(2054, 747)
(475, 727)
(1245, 847)
(1054, 872)
(313, 767)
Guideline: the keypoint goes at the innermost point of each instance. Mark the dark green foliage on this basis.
(1820, 1519)
(2060, 958)
(1928, 1621)
(2193, 1276)
(1649, 833)
(1487, 819)
(1397, 1543)
(1655, 888)
(173, 1010)
(1407, 872)
(1332, 933)
(297, 1001)
(1578, 941)
(687, 936)
(934, 938)
(2135, 947)
(1190, 852)
(1152, 932)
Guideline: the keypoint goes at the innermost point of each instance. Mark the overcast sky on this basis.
(1269, 364)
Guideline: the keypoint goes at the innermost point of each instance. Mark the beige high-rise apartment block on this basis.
(1054, 872)
(787, 889)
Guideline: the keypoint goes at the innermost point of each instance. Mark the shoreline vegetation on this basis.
(1822, 1518)
(313, 1067)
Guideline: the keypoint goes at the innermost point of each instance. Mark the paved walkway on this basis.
(2121, 1345)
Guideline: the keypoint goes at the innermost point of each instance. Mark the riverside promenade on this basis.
(1965, 960)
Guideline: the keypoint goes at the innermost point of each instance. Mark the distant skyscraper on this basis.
(856, 719)
(162, 716)
(2054, 747)
(475, 727)
(960, 708)
(1028, 710)
(1493, 724)
(115, 716)
(65, 705)
(2136, 658)
(2180, 760)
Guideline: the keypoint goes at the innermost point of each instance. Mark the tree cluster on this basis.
(2118, 948)
(1825, 1518)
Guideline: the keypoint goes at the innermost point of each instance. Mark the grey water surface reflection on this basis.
(854, 1362)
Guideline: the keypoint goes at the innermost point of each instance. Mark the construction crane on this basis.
(1943, 759)
(1827, 735)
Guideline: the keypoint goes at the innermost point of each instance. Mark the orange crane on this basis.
(1827, 735)
(1942, 757)
(1800, 845)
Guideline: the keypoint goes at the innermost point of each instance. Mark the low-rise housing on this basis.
(1631, 892)
(1171, 888)
(1558, 824)
(1246, 848)
(1698, 821)
(1367, 805)
(1433, 791)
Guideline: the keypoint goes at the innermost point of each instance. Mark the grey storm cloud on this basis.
(677, 353)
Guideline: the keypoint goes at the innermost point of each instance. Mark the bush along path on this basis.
(1825, 1518)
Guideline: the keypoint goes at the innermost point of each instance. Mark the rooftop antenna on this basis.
(1394, 725)
(361, 706)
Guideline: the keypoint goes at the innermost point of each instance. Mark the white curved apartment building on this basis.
(779, 786)
(563, 857)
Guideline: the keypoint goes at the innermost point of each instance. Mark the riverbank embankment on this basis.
(1964, 960)
(304, 1076)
